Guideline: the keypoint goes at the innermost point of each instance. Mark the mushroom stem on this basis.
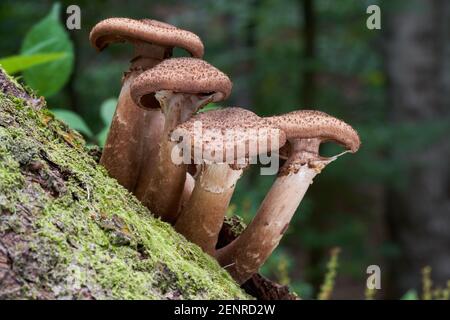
(126, 141)
(147, 55)
(202, 218)
(134, 132)
(166, 179)
(189, 185)
(243, 257)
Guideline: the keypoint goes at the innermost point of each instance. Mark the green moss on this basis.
(88, 236)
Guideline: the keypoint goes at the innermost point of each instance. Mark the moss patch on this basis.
(67, 230)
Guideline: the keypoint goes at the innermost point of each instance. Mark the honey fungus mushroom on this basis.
(305, 131)
(226, 141)
(182, 86)
(134, 134)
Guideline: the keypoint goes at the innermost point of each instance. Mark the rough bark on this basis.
(257, 286)
(68, 231)
(418, 55)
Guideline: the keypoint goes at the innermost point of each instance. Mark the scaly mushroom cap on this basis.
(228, 130)
(146, 30)
(308, 124)
(180, 75)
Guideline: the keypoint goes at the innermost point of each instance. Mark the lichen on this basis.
(73, 232)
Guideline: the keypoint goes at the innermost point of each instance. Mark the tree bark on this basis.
(417, 62)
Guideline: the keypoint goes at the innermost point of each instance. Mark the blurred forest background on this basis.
(387, 205)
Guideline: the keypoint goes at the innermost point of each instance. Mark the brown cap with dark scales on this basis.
(304, 124)
(229, 129)
(146, 30)
(182, 75)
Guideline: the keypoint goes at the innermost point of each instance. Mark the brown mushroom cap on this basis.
(146, 30)
(304, 124)
(246, 129)
(181, 75)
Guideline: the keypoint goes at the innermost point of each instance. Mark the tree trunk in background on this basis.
(307, 101)
(246, 97)
(307, 89)
(243, 44)
(417, 61)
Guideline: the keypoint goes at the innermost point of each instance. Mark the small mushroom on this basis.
(134, 134)
(305, 131)
(228, 139)
(182, 86)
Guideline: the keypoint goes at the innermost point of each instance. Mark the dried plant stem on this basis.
(327, 287)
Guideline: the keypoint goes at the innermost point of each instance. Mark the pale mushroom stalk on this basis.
(202, 217)
(189, 185)
(179, 107)
(306, 130)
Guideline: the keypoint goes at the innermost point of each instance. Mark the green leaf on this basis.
(14, 64)
(48, 36)
(410, 295)
(73, 120)
(101, 137)
(210, 107)
(107, 110)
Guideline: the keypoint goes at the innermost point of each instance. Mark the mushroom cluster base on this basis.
(68, 231)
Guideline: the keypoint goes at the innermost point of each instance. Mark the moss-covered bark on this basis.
(67, 230)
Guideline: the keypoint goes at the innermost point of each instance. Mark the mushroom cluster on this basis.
(184, 165)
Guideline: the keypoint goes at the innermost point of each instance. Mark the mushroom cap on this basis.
(238, 133)
(181, 75)
(146, 30)
(308, 124)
